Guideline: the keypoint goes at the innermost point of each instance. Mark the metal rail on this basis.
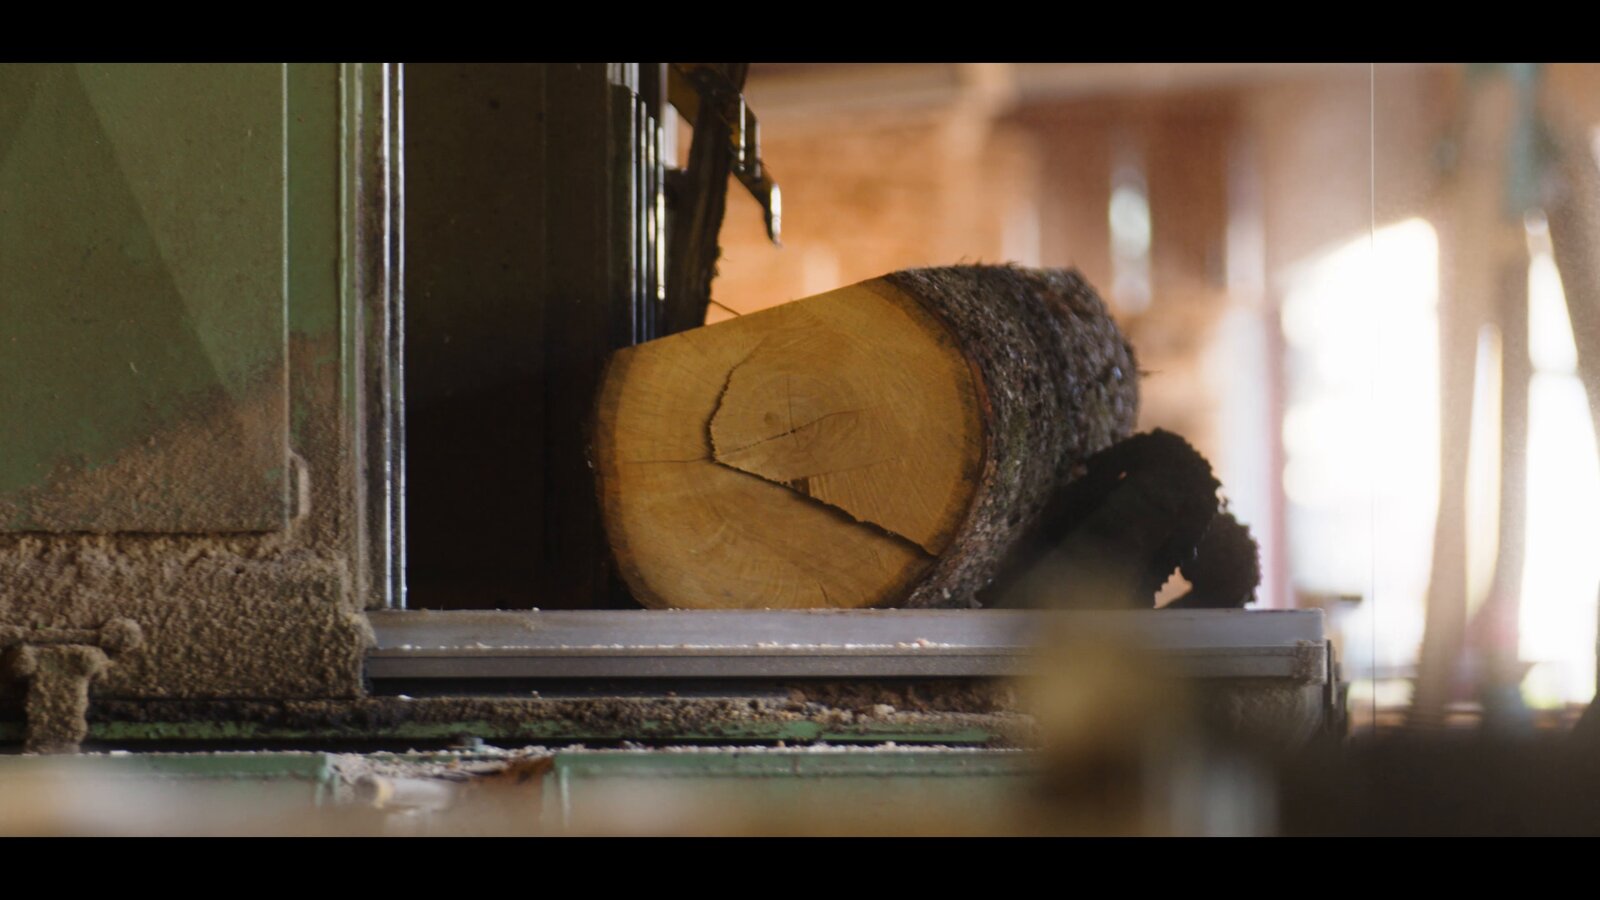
(825, 643)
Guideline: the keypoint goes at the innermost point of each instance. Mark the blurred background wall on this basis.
(1309, 260)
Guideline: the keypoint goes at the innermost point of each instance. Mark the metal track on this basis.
(825, 643)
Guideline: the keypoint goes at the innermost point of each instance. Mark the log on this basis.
(884, 444)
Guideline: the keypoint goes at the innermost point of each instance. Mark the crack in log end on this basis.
(886, 429)
(836, 511)
(723, 454)
(689, 532)
(722, 395)
(802, 486)
(825, 598)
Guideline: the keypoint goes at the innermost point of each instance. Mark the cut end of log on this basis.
(858, 400)
(829, 452)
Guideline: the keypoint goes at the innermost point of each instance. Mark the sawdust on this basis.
(216, 622)
(884, 697)
(1275, 712)
(730, 719)
(272, 614)
(215, 467)
(56, 706)
(354, 772)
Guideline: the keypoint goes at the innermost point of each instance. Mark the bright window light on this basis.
(1362, 331)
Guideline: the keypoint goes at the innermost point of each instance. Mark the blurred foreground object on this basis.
(1484, 198)
(880, 789)
(1443, 783)
(1129, 748)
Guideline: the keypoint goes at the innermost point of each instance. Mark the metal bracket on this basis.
(1335, 697)
(58, 664)
(691, 84)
